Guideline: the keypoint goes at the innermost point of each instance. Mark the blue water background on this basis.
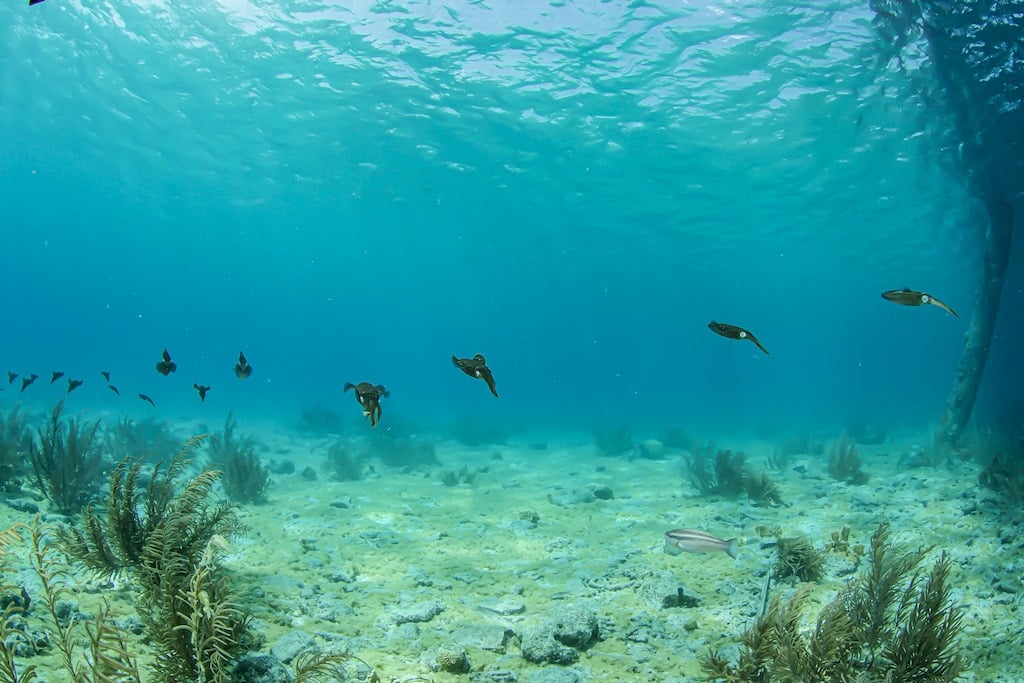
(358, 191)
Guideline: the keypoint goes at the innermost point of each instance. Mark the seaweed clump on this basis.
(762, 489)
(722, 474)
(318, 419)
(344, 461)
(170, 542)
(844, 461)
(797, 557)
(892, 624)
(105, 657)
(14, 448)
(148, 439)
(245, 478)
(66, 461)
(725, 473)
(613, 441)
(402, 450)
(1004, 474)
(464, 475)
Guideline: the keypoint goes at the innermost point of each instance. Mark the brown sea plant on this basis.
(762, 489)
(401, 448)
(612, 441)
(798, 557)
(245, 478)
(67, 461)
(1004, 472)
(893, 623)
(844, 461)
(93, 651)
(146, 439)
(14, 449)
(344, 461)
(718, 472)
(169, 541)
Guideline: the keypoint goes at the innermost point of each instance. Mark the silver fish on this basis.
(696, 541)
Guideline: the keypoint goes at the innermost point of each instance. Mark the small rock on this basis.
(283, 467)
(576, 627)
(420, 612)
(539, 646)
(340, 576)
(529, 516)
(557, 640)
(23, 505)
(452, 658)
(406, 633)
(257, 668)
(650, 448)
(291, 645)
(574, 496)
(308, 473)
(553, 675)
(601, 491)
(131, 623)
(663, 591)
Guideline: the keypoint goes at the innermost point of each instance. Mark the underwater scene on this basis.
(554, 341)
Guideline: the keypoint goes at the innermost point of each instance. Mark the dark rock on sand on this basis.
(559, 639)
(292, 644)
(554, 676)
(258, 668)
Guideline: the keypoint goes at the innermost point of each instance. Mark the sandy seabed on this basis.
(354, 566)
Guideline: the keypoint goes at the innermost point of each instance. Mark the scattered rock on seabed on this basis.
(494, 676)
(259, 668)
(662, 590)
(292, 644)
(559, 638)
(418, 612)
(554, 675)
(574, 496)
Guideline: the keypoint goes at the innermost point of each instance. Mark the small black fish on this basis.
(106, 375)
(74, 384)
(114, 389)
(11, 376)
(733, 332)
(202, 391)
(147, 399)
(55, 375)
(166, 366)
(242, 367)
(477, 367)
(369, 396)
(27, 381)
(910, 297)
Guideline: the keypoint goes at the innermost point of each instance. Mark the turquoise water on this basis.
(357, 191)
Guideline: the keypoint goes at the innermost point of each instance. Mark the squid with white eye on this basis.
(734, 332)
(477, 367)
(369, 395)
(911, 297)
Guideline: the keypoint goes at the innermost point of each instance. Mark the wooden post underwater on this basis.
(978, 339)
